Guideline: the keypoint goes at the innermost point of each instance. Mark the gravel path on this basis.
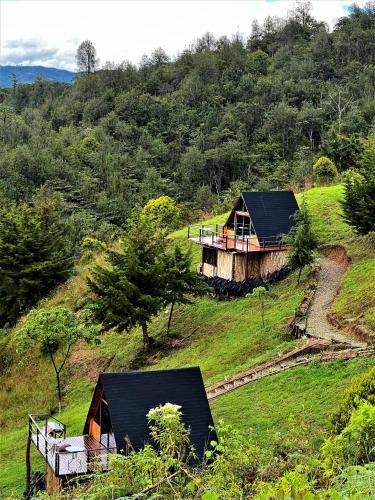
(329, 281)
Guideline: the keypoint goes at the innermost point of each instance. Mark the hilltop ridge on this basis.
(28, 74)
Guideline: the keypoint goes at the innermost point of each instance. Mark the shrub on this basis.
(324, 170)
(237, 464)
(292, 485)
(355, 482)
(355, 444)
(361, 389)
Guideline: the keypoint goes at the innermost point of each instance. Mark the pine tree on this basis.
(35, 255)
(302, 241)
(359, 203)
(181, 281)
(129, 290)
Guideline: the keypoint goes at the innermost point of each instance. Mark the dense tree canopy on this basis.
(35, 254)
(259, 111)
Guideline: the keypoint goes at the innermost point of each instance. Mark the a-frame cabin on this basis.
(251, 244)
(117, 422)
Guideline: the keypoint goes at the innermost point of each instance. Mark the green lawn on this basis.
(222, 337)
(299, 401)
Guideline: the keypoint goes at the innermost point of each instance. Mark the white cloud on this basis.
(127, 29)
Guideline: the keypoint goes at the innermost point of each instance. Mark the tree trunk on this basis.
(58, 383)
(299, 275)
(146, 338)
(59, 390)
(171, 314)
(262, 312)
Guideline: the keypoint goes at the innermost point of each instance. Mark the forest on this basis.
(225, 114)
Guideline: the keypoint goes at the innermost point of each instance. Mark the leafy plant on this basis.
(161, 214)
(361, 389)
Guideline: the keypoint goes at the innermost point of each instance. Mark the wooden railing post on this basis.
(45, 441)
(28, 462)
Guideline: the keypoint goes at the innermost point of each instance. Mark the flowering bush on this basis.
(169, 433)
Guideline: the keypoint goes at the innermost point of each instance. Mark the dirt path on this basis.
(318, 326)
(329, 280)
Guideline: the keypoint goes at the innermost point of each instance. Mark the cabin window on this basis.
(210, 256)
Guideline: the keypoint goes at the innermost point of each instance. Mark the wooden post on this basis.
(233, 263)
(57, 463)
(28, 462)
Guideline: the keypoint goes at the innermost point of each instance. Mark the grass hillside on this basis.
(222, 337)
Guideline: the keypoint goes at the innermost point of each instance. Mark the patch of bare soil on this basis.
(338, 253)
(88, 364)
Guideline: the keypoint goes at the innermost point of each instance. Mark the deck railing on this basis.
(63, 461)
(209, 234)
(38, 428)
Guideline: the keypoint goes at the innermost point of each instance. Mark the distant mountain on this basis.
(28, 74)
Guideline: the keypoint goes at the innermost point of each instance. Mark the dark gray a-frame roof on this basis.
(130, 395)
(271, 212)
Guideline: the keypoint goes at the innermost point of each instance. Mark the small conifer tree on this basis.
(181, 281)
(359, 203)
(302, 241)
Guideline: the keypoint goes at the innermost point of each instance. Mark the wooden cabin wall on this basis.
(239, 267)
(225, 265)
(264, 263)
(209, 270)
(240, 264)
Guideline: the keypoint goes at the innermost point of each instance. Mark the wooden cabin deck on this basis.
(236, 244)
(71, 455)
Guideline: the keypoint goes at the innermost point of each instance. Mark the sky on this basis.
(48, 32)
